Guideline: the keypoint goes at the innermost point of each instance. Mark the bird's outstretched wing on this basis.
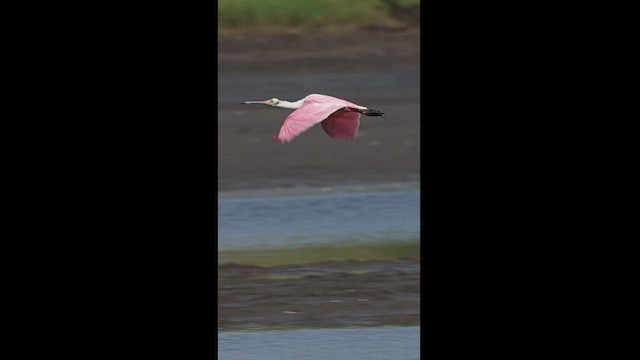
(305, 117)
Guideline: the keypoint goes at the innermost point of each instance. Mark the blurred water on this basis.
(378, 343)
(318, 219)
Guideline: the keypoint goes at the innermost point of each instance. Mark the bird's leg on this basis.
(368, 112)
(371, 112)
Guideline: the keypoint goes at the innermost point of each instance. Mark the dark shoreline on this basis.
(377, 50)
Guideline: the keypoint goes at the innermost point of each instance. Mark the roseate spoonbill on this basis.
(340, 118)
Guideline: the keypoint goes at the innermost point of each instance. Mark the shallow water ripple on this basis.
(342, 218)
(377, 343)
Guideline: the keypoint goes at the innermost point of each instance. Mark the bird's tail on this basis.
(372, 112)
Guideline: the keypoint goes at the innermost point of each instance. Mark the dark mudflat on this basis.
(329, 294)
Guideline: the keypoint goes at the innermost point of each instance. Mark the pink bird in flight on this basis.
(339, 118)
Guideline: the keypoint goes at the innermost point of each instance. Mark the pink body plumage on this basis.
(336, 116)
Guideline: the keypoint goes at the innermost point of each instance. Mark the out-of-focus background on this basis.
(364, 51)
(318, 234)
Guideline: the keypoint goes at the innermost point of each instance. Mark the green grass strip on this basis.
(312, 254)
(312, 13)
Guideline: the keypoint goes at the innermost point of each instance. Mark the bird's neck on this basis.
(289, 105)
